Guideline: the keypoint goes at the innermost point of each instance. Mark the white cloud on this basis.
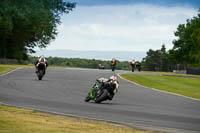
(120, 28)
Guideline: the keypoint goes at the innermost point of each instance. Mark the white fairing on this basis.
(103, 79)
(114, 79)
(117, 86)
(43, 59)
(39, 63)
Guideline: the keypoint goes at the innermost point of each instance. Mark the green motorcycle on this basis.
(98, 94)
(101, 92)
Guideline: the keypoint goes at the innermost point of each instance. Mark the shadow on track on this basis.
(104, 103)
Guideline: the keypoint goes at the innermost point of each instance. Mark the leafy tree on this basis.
(25, 24)
(186, 48)
(156, 60)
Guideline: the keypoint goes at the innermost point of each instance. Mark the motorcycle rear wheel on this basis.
(113, 69)
(40, 75)
(102, 97)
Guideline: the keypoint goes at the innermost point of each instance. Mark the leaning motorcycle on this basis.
(41, 68)
(100, 93)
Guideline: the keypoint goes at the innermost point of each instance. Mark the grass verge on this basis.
(173, 74)
(17, 120)
(181, 85)
(6, 68)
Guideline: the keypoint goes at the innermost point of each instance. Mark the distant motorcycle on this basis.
(101, 93)
(101, 66)
(138, 66)
(41, 70)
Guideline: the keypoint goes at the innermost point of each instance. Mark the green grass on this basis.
(6, 68)
(181, 85)
(17, 120)
(171, 73)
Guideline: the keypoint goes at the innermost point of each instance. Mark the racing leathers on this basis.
(40, 60)
(111, 84)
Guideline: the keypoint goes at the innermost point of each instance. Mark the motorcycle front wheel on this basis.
(87, 99)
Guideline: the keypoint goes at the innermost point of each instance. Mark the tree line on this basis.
(82, 63)
(185, 51)
(158, 60)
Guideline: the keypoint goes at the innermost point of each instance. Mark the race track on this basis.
(63, 91)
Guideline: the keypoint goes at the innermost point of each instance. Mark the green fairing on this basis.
(96, 86)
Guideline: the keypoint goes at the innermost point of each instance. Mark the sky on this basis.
(122, 25)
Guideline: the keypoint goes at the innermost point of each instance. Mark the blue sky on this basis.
(122, 25)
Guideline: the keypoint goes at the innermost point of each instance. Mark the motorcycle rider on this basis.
(40, 60)
(110, 83)
(113, 62)
(132, 63)
(101, 66)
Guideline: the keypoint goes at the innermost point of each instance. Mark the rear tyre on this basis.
(113, 69)
(39, 78)
(102, 97)
(40, 75)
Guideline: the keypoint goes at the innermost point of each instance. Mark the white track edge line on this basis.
(118, 74)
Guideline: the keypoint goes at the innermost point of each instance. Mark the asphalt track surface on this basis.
(63, 91)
